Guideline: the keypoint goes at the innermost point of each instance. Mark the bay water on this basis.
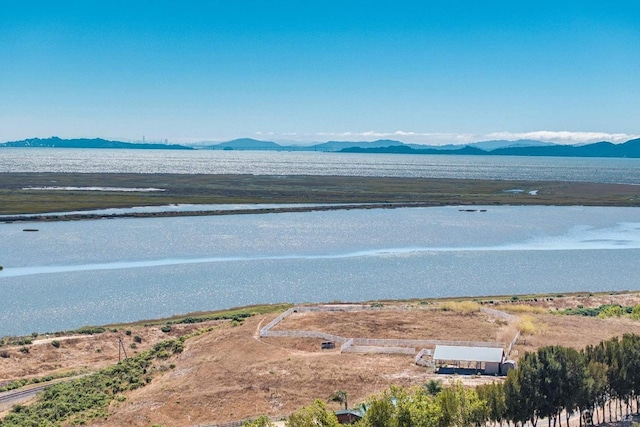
(69, 274)
(316, 163)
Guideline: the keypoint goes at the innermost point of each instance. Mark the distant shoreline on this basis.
(167, 214)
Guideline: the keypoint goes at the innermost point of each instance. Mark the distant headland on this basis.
(55, 142)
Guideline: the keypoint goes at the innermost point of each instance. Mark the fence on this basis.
(374, 345)
(421, 353)
(420, 361)
(274, 322)
(319, 308)
(422, 343)
(348, 343)
(497, 313)
(380, 350)
(241, 422)
(304, 334)
(378, 342)
(513, 342)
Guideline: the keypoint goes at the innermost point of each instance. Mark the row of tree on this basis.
(554, 380)
(558, 379)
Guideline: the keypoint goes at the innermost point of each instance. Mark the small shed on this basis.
(348, 416)
(487, 359)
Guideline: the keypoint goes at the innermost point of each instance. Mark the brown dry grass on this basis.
(78, 352)
(575, 331)
(398, 324)
(230, 373)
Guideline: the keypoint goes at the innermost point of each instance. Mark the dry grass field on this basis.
(231, 373)
(412, 323)
(81, 352)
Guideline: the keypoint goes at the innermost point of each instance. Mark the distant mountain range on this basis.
(55, 142)
(630, 148)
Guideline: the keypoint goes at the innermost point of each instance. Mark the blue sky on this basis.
(432, 72)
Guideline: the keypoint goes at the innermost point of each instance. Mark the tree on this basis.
(461, 407)
(577, 381)
(598, 393)
(521, 390)
(341, 397)
(433, 387)
(493, 394)
(314, 415)
(380, 412)
(261, 421)
(425, 410)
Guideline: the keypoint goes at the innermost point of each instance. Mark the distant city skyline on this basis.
(301, 72)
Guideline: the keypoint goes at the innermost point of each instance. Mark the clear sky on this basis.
(433, 72)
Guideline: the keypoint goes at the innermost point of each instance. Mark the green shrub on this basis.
(166, 328)
(611, 311)
(21, 341)
(137, 339)
(90, 330)
(55, 343)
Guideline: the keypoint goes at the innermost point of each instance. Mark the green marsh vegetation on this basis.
(238, 189)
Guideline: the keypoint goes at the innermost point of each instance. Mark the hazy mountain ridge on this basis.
(629, 149)
(244, 144)
(55, 142)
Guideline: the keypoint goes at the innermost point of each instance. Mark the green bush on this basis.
(55, 343)
(611, 311)
(166, 328)
(21, 341)
(90, 330)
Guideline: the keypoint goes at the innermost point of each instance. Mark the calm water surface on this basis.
(69, 274)
(313, 163)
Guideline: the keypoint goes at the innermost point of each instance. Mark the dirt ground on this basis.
(412, 323)
(231, 373)
(81, 352)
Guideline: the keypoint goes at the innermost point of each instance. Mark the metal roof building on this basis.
(491, 357)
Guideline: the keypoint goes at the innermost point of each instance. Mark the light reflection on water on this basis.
(312, 163)
(70, 274)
